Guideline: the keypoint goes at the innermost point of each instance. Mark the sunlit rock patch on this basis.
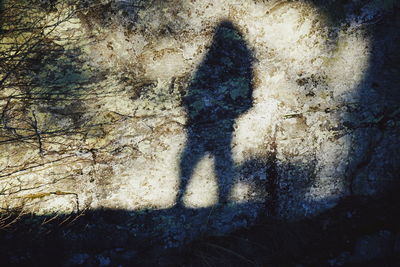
(303, 79)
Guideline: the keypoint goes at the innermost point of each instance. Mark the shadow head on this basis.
(222, 85)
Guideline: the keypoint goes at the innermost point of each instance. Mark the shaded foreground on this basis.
(359, 231)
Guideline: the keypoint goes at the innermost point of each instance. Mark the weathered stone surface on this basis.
(322, 124)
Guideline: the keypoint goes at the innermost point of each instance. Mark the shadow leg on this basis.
(189, 159)
(224, 169)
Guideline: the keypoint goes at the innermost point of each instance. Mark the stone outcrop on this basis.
(108, 121)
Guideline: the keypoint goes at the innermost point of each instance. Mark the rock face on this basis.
(194, 117)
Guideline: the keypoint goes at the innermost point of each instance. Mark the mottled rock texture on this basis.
(171, 119)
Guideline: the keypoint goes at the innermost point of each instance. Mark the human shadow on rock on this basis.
(220, 91)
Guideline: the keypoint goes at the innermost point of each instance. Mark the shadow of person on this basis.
(221, 90)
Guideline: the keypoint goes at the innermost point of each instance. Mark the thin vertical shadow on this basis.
(221, 90)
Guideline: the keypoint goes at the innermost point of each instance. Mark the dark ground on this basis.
(358, 232)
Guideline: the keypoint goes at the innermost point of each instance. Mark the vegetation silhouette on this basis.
(219, 92)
